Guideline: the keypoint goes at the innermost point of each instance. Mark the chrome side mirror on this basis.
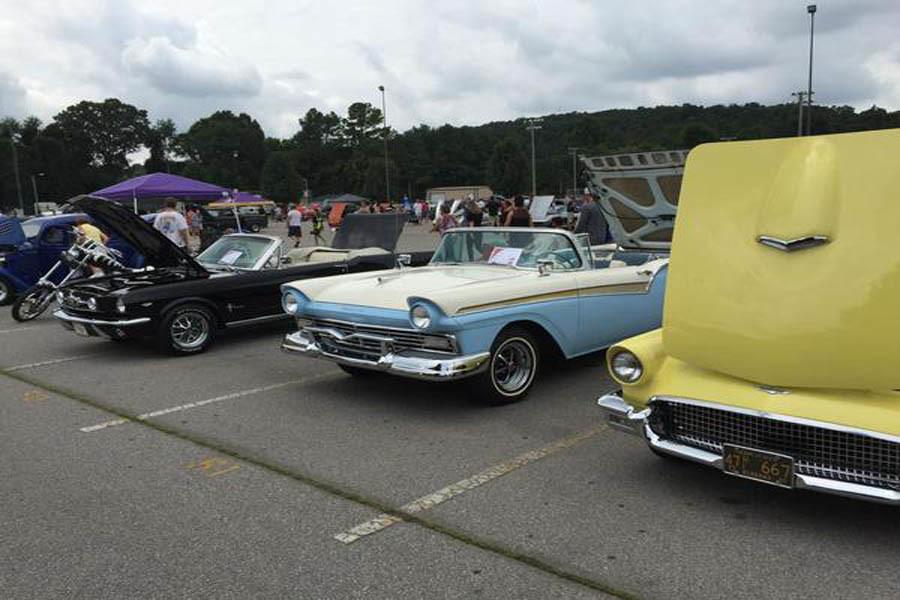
(404, 260)
(545, 266)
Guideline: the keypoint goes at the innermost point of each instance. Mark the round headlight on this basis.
(60, 298)
(92, 304)
(420, 317)
(626, 367)
(289, 303)
(120, 305)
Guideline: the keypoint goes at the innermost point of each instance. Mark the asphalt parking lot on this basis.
(245, 472)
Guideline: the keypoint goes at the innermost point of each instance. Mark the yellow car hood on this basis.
(785, 265)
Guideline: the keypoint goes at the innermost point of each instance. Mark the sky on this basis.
(457, 62)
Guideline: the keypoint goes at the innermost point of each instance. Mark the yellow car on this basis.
(778, 359)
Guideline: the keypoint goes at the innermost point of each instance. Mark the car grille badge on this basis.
(792, 245)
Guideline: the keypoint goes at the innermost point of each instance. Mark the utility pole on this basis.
(574, 152)
(15, 157)
(800, 96)
(34, 189)
(387, 177)
(811, 9)
(533, 125)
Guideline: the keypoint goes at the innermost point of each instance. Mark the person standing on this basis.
(318, 225)
(493, 209)
(591, 221)
(172, 224)
(90, 232)
(445, 221)
(295, 225)
(473, 212)
(519, 216)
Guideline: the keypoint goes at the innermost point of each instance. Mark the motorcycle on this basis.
(81, 258)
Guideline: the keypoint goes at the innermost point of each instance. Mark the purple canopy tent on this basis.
(160, 185)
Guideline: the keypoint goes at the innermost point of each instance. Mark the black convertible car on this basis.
(183, 302)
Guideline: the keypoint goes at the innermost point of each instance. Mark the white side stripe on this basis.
(198, 404)
(453, 490)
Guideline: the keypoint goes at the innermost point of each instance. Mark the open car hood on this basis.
(638, 195)
(370, 231)
(11, 233)
(156, 248)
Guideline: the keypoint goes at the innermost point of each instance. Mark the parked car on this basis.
(777, 359)
(184, 302)
(223, 220)
(492, 305)
(28, 249)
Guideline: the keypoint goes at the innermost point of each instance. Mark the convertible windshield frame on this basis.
(510, 247)
(273, 247)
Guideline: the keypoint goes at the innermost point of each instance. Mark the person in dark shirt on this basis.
(519, 215)
(591, 221)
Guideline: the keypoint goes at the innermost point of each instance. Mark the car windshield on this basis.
(235, 251)
(516, 248)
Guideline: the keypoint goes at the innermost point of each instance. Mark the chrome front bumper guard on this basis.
(623, 417)
(64, 316)
(416, 364)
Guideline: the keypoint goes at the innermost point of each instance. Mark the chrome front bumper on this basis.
(67, 318)
(622, 416)
(417, 364)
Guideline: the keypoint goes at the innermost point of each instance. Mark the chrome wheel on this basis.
(189, 330)
(513, 366)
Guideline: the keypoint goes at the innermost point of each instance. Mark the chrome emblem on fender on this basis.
(809, 241)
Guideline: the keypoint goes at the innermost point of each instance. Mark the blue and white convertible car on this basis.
(491, 306)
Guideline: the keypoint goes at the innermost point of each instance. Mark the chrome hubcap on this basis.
(189, 330)
(513, 366)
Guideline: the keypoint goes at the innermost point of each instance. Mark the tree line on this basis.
(86, 147)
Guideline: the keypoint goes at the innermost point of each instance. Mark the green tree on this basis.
(160, 140)
(108, 131)
(695, 134)
(279, 178)
(225, 149)
(362, 124)
(508, 168)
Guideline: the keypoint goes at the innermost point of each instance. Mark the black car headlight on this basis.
(92, 304)
(120, 305)
(626, 367)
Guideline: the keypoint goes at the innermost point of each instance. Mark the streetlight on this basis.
(811, 9)
(533, 125)
(574, 152)
(387, 178)
(37, 200)
(800, 96)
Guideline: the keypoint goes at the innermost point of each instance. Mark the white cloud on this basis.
(463, 62)
(189, 71)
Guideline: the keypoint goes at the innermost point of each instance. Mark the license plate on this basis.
(81, 329)
(768, 467)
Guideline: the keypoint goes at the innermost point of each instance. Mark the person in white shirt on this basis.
(295, 222)
(172, 224)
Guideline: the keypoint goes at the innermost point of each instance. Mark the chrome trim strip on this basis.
(418, 364)
(62, 316)
(262, 319)
(622, 416)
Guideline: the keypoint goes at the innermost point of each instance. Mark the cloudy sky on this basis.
(459, 62)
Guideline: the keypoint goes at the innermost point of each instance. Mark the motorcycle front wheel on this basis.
(32, 303)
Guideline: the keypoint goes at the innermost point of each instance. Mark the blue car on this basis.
(492, 305)
(28, 249)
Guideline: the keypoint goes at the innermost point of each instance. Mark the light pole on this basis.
(387, 177)
(800, 96)
(15, 157)
(574, 152)
(811, 9)
(305, 189)
(35, 190)
(533, 125)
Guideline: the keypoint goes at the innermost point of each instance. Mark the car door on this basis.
(617, 302)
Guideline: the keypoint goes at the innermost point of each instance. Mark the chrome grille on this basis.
(817, 450)
(370, 349)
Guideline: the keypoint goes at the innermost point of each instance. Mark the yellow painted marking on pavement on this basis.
(34, 396)
(213, 466)
(198, 404)
(453, 490)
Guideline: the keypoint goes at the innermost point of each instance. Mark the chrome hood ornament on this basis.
(801, 243)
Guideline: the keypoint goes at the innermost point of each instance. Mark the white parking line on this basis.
(44, 363)
(453, 490)
(17, 329)
(198, 404)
